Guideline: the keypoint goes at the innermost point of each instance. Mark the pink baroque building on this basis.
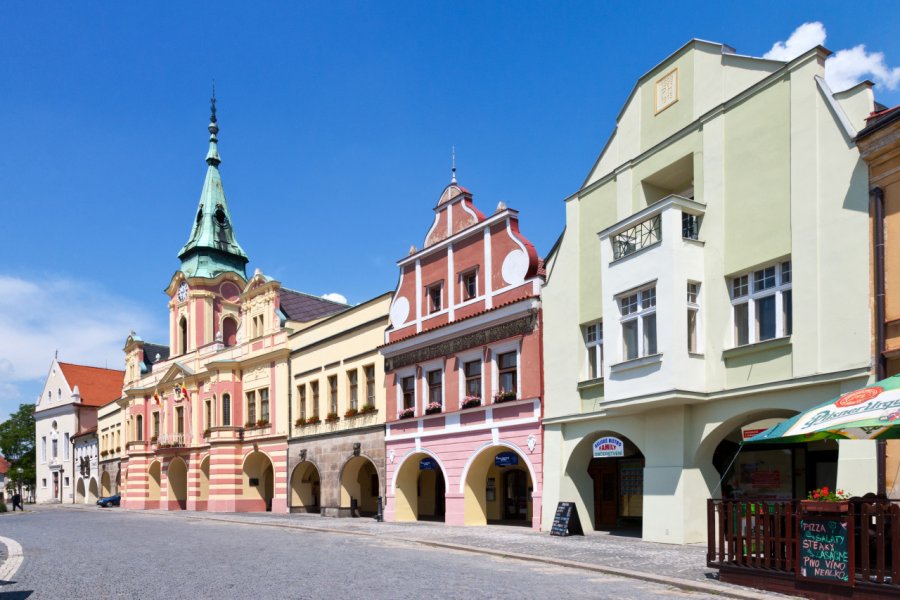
(463, 372)
(207, 415)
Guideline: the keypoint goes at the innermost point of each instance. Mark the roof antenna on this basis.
(453, 159)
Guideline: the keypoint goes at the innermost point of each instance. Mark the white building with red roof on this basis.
(67, 407)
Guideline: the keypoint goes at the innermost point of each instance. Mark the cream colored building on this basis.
(336, 455)
(111, 439)
(712, 278)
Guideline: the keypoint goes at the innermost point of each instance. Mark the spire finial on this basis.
(212, 157)
(453, 162)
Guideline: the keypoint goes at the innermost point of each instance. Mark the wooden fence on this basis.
(758, 539)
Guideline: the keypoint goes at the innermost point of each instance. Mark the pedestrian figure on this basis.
(17, 501)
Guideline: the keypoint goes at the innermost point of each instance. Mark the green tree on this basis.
(17, 445)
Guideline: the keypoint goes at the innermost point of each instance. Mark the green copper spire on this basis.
(212, 248)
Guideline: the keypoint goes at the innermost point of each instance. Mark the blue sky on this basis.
(336, 120)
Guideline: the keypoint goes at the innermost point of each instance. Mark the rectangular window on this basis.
(473, 378)
(66, 446)
(314, 392)
(354, 388)
(155, 418)
(762, 304)
(179, 418)
(469, 284)
(640, 236)
(226, 409)
(44, 482)
(690, 226)
(693, 311)
(207, 417)
(507, 369)
(264, 404)
(593, 341)
(435, 389)
(638, 312)
(44, 449)
(251, 408)
(370, 385)
(435, 295)
(408, 385)
(54, 448)
(301, 395)
(333, 393)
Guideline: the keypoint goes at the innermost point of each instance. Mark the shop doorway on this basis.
(56, 494)
(498, 488)
(176, 477)
(105, 485)
(305, 488)
(615, 467)
(420, 489)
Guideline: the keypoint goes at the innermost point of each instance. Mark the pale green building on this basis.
(713, 277)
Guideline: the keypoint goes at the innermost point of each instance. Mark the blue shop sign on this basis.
(427, 464)
(506, 459)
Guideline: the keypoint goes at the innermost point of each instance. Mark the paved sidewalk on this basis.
(676, 565)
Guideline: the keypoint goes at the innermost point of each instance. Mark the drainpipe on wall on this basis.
(290, 430)
(877, 195)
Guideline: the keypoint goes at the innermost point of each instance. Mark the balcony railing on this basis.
(170, 440)
(642, 235)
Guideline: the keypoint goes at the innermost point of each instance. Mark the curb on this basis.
(14, 556)
(685, 584)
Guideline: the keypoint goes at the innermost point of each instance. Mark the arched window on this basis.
(139, 424)
(226, 409)
(182, 329)
(229, 331)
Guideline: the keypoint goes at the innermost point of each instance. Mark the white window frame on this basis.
(462, 286)
(429, 304)
(461, 360)
(43, 449)
(398, 382)
(422, 391)
(496, 351)
(593, 346)
(645, 307)
(693, 306)
(783, 282)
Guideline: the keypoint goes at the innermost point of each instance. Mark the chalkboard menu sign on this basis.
(566, 521)
(826, 549)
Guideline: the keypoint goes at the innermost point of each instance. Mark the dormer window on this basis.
(435, 294)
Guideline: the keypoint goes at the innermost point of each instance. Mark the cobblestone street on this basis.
(269, 556)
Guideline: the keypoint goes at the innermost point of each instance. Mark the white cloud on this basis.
(84, 322)
(808, 35)
(335, 297)
(843, 69)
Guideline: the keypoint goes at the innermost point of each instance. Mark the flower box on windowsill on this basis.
(504, 397)
(350, 413)
(820, 506)
(332, 418)
(433, 409)
(367, 409)
(471, 402)
(406, 413)
(314, 420)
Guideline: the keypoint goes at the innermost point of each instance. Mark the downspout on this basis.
(877, 195)
(290, 430)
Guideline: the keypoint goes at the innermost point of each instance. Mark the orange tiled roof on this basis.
(97, 386)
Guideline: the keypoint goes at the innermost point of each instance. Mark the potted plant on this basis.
(262, 423)
(504, 396)
(351, 412)
(313, 420)
(332, 417)
(433, 408)
(366, 409)
(407, 413)
(826, 500)
(249, 425)
(300, 422)
(471, 401)
(206, 433)
(118, 448)
(104, 452)
(153, 439)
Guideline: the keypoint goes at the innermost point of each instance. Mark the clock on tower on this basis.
(182, 291)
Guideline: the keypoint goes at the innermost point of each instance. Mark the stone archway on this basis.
(105, 487)
(359, 482)
(93, 491)
(498, 487)
(609, 480)
(420, 486)
(176, 484)
(258, 475)
(79, 492)
(203, 489)
(153, 485)
(305, 488)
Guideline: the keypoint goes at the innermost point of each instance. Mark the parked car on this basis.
(109, 501)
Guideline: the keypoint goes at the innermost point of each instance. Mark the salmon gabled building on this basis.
(207, 415)
(463, 372)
